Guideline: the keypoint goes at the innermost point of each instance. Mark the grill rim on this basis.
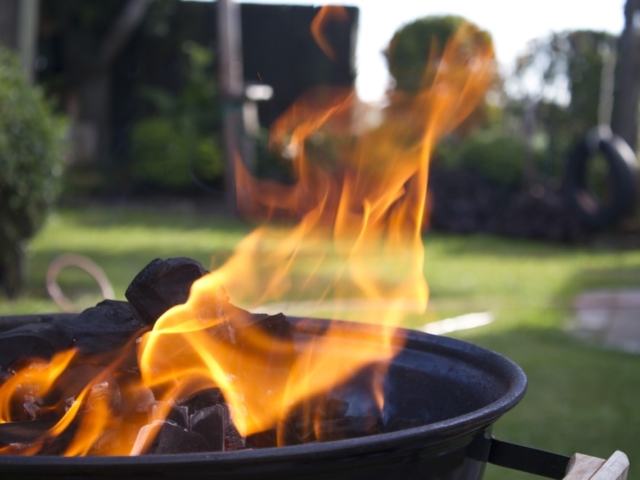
(432, 434)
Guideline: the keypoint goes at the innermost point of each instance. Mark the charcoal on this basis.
(350, 410)
(107, 327)
(320, 418)
(232, 438)
(339, 418)
(146, 437)
(29, 403)
(136, 404)
(210, 423)
(266, 439)
(235, 318)
(335, 408)
(363, 426)
(295, 431)
(298, 427)
(32, 406)
(41, 340)
(24, 432)
(6, 375)
(277, 326)
(310, 421)
(71, 382)
(173, 414)
(58, 445)
(105, 392)
(208, 397)
(107, 439)
(396, 424)
(348, 427)
(11, 322)
(277, 358)
(164, 438)
(161, 285)
(142, 399)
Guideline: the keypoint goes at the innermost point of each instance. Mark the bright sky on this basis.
(512, 24)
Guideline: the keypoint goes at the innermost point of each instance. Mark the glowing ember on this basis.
(355, 244)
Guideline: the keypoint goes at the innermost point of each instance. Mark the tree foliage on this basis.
(574, 58)
(422, 41)
(569, 62)
(495, 155)
(414, 55)
(31, 148)
(179, 145)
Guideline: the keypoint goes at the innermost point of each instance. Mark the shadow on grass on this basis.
(601, 279)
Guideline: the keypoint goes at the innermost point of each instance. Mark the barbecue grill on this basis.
(457, 389)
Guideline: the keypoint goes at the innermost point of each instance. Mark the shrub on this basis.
(496, 156)
(31, 149)
(178, 146)
(169, 158)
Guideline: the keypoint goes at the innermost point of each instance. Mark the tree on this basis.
(18, 30)
(570, 61)
(624, 120)
(31, 141)
(418, 46)
(92, 35)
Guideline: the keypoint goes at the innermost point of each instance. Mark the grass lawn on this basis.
(581, 398)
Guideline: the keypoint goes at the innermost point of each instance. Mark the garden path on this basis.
(611, 317)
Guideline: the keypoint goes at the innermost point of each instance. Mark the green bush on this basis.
(31, 150)
(178, 145)
(498, 157)
(167, 157)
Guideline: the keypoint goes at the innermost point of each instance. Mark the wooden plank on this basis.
(615, 468)
(585, 467)
(582, 467)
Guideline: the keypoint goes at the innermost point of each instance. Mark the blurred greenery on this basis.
(179, 145)
(499, 157)
(581, 397)
(526, 132)
(574, 60)
(420, 43)
(122, 242)
(31, 154)
(270, 163)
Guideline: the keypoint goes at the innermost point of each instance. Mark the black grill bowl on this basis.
(458, 389)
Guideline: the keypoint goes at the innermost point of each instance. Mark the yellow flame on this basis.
(355, 243)
(36, 379)
(358, 238)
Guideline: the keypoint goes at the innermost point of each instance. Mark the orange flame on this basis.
(356, 251)
(86, 407)
(358, 243)
(327, 14)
